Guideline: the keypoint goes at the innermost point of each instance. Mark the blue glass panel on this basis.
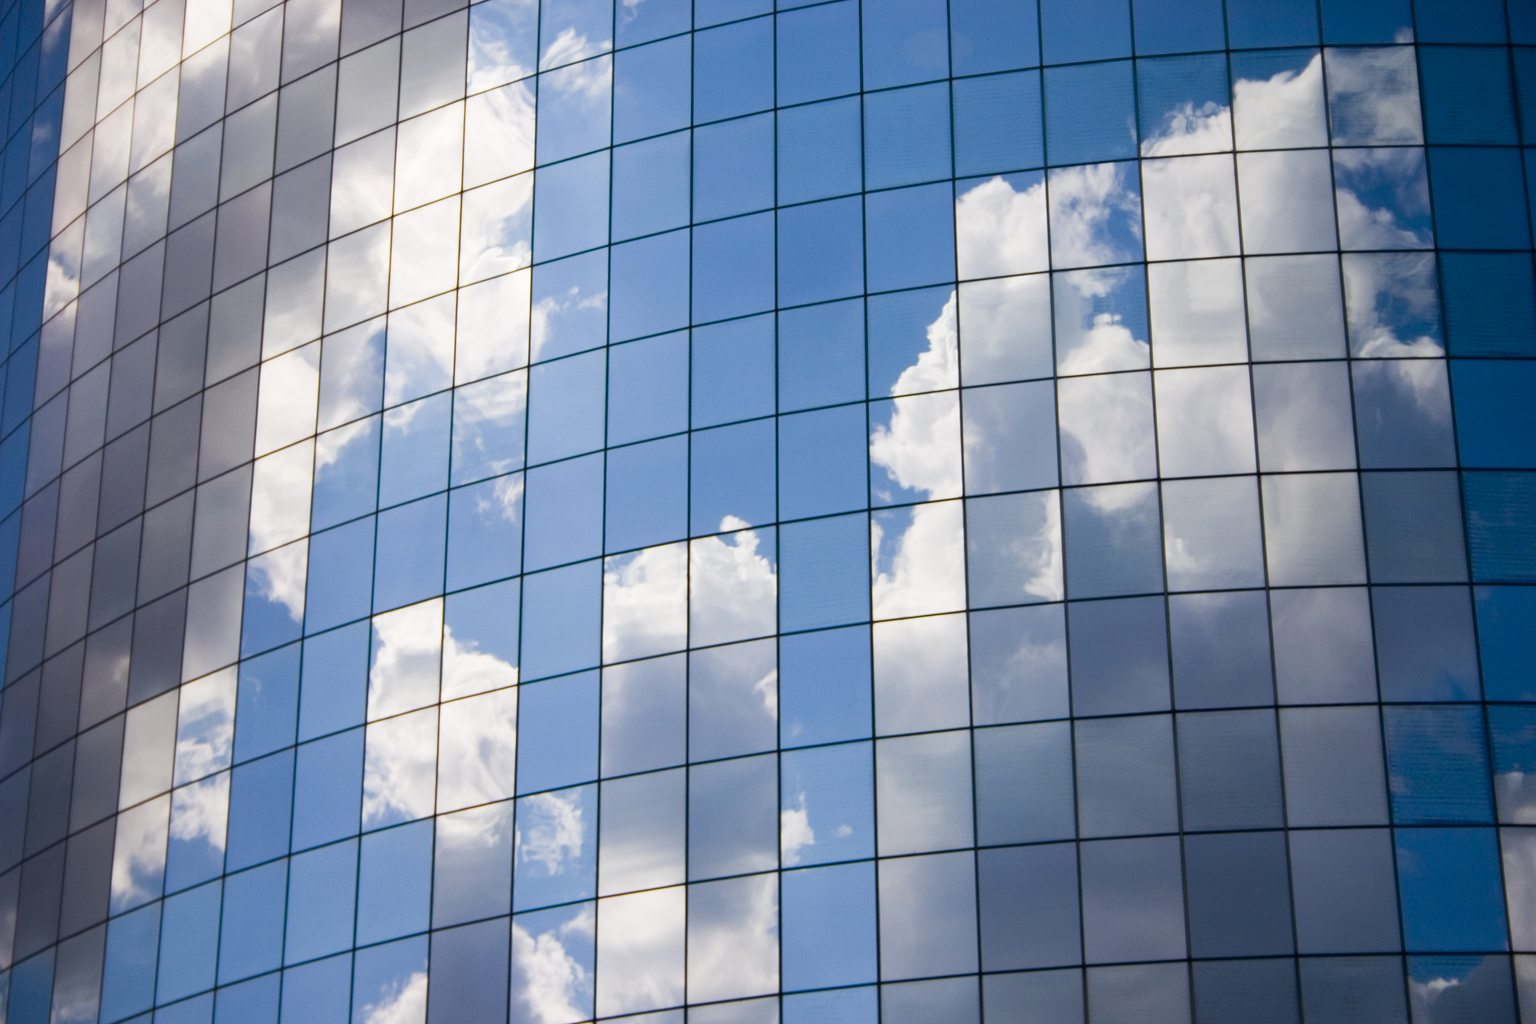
(408, 566)
(636, 24)
(328, 789)
(733, 167)
(1468, 98)
(1499, 529)
(508, 26)
(334, 689)
(650, 186)
(573, 117)
(904, 41)
(1424, 644)
(824, 572)
(394, 882)
(1490, 303)
(189, 934)
(828, 926)
(340, 582)
(250, 1002)
(1506, 636)
(251, 937)
(733, 371)
(566, 407)
(821, 251)
(564, 512)
(485, 531)
(570, 209)
(259, 802)
(551, 863)
(648, 393)
(415, 455)
(267, 619)
(910, 237)
(128, 978)
(1171, 93)
(906, 136)
(321, 901)
(1446, 21)
(998, 124)
(1413, 528)
(993, 37)
(346, 473)
(733, 268)
(1018, 664)
(267, 709)
(1221, 649)
(1010, 809)
(1253, 23)
(470, 967)
(818, 52)
(1479, 198)
(819, 151)
(1366, 21)
(318, 993)
(557, 722)
(1179, 26)
(733, 70)
(834, 1006)
(823, 466)
(827, 796)
(732, 474)
(650, 286)
(647, 488)
(571, 298)
(561, 611)
(1495, 419)
(651, 89)
(821, 355)
(1438, 759)
(1090, 113)
(381, 974)
(1072, 30)
(1449, 883)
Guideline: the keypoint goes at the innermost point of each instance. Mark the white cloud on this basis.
(468, 670)
(427, 158)
(1283, 110)
(1374, 96)
(493, 327)
(1197, 312)
(1204, 421)
(280, 576)
(795, 832)
(424, 256)
(927, 572)
(419, 350)
(138, 856)
(640, 952)
(645, 603)
(407, 649)
(280, 492)
(1106, 428)
(205, 728)
(477, 758)
(201, 811)
(733, 938)
(570, 45)
(1087, 204)
(1380, 292)
(1189, 129)
(289, 396)
(1190, 207)
(550, 831)
(499, 134)
(549, 986)
(404, 1002)
(1000, 231)
(399, 768)
(1005, 328)
(735, 587)
(922, 676)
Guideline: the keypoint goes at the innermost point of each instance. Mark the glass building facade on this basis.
(917, 511)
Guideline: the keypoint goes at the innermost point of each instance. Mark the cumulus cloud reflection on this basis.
(645, 602)
(552, 966)
(1392, 305)
(734, 585)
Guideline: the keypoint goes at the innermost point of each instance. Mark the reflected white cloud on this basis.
(1005, 328)
(549, 985)
(550, 831)
(407, 650)
(499, 134)
(921, 674)
(424, 256)
(362, 182)
(571, 45)
(280, 576)
(734, 586)
(351, 372)
(419, 350)
(478, 743)
(498, 229)
(645, 602)
(138, 855)
(468, 670)
(427, 157)
(1287, 201)
(1197, 312)
(1189, 129)
(399, 768)
(1284, 110)
(1392, 305)
(1095, 216)
(1091, 333)
(280, 491)
(546, 314)
(205, 728)
(921, 569)
(404, 1002)
(1204, 421)
(1394, 175)
(640, 953)
(1211, 534)
(289, 397)
(795, 832)
(999, 230)
(1106, 428)
(1373, 96)
(493, 327)
(733, 938)
(1190, 206)
(357, 276)
(494, 49)
(200, 812)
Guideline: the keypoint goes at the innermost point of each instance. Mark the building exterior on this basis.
(892, 511)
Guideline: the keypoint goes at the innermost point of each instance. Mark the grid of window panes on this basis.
(890, 510)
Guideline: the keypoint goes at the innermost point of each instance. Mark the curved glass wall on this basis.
(896, 511)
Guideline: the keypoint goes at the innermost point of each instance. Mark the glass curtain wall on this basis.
(875, 510)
